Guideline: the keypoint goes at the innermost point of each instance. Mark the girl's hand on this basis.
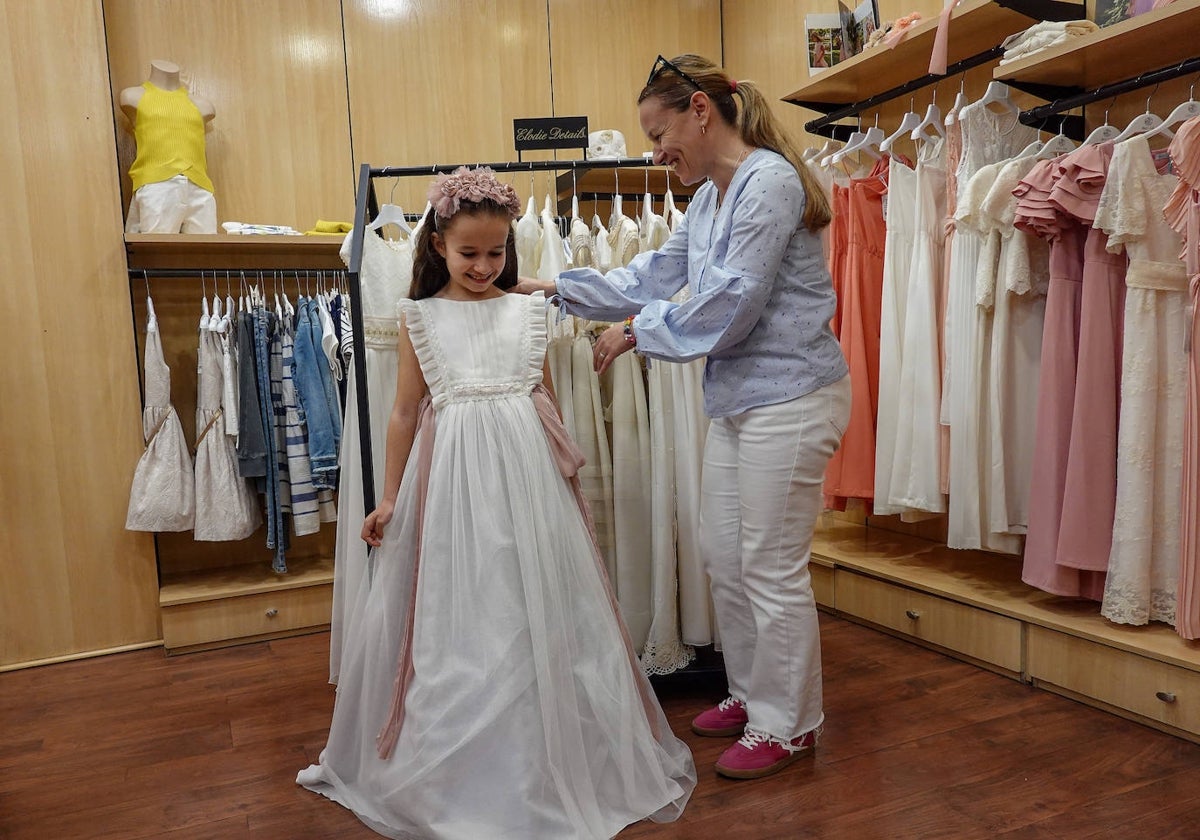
(376, 521)
(529, 285)
(609, 345)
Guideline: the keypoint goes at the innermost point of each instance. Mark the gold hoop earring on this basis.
(703, 128)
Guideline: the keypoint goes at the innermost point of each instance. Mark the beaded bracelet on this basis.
(628, 331)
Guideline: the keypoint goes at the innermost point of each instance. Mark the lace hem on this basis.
(666, 658)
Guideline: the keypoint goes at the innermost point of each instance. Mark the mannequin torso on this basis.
(165, 76)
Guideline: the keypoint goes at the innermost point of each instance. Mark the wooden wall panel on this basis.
(603, 51)
(440, 81)
(73, 580)
(279, 146)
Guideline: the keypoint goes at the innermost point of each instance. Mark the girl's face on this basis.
(473, 246)
(675, 137)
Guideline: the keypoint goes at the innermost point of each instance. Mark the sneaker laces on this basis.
(751, 738)
(729, 703)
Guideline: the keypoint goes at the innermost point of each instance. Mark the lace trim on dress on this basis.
(1161, 276)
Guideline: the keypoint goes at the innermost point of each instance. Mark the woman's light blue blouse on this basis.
(761, 296)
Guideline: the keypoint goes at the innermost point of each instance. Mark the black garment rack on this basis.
(366, 207)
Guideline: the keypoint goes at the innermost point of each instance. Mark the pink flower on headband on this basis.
(447, 192)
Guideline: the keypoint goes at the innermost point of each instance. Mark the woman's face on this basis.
(676, 139)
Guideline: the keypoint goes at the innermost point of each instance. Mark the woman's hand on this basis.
(609, 345)
(376, 521)
(529, 285)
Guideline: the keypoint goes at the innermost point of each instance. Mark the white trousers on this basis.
(761, 493)
(175, 205)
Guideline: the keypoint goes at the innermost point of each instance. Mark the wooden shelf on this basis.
(236, 581)
(631, 180)
(1153, 40)
(218, 251)
(991, 582)
(975, 27)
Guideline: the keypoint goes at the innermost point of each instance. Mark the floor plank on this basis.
(139, 745)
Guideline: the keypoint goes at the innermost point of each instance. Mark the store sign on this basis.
(550, 133)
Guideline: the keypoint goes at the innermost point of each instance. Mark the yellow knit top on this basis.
(169, 131)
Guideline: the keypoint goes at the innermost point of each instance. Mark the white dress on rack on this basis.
(1143, 564)
(988, 138)
(163, 494)
(898, 272)
(384, 278)
(226, 505)
(915, 481)
(525, 715)
(1021, 280)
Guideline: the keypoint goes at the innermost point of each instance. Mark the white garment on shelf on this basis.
(1143, 565)
(384, 278)
(898, 272)
(226, 505)
(987, 138)
(915, 481)
(163, 494)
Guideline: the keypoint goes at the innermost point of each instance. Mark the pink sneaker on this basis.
(757, 754)
(724, 719)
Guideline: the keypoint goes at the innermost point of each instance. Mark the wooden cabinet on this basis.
(1137, 686)
(990, 639)
(973, 605)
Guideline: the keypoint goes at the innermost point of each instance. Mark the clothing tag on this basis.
(1162, 161)
(884, 205)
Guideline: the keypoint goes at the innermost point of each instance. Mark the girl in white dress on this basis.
(488, 687)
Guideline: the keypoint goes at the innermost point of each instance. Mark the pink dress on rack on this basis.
(1090, 495)
(851, 471)
(1056, 386)
(1183, 214)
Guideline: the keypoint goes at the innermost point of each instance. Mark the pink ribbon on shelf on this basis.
(900, 29)
(937, 59)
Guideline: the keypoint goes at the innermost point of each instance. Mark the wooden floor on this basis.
(207, 746)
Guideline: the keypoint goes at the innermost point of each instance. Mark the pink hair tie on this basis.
(733, 86)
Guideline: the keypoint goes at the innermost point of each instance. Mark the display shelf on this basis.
(148, 251)
(972, 605)
(246, 579)
(1156, 39)
(991, 582)
(976, 26)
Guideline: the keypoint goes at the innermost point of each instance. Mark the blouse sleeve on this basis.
(650, 276)
(736, 289)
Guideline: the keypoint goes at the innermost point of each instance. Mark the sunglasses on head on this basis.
(661, 64)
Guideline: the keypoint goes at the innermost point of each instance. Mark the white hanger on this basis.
(1143, 123)
(960, 102)
(205, 318)
(1057, 145)
(1102, 133)
(868, 142)
(1183, 112)
(391, 214)
(907, 123)
(933, 119)
(997, 93)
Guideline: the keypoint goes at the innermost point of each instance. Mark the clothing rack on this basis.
(366, 206)
(147, 273)
(1037, 116)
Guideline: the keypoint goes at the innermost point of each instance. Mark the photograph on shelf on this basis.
(1109, 12)
(832, 38)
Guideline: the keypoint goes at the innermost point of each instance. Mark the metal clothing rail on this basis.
(828, 125)
(366, 206)
(1036, 116)
(146, 273)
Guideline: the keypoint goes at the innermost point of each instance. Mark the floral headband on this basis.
(447, 192)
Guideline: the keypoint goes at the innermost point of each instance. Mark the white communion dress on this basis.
(485, 647)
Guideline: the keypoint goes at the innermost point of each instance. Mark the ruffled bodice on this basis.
(478, 350)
